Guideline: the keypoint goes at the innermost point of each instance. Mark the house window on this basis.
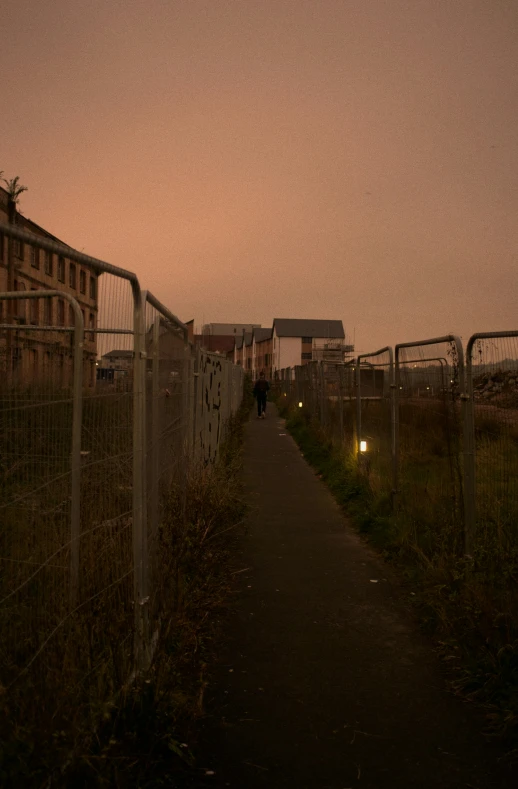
(16, 303)
(307, 340)
(92, 325)
(61, 268)
(21, 305)
(308, 356)
(34, 361)
(35, 309)
(47, 311)
(61, 312)
(82, 281)
(48, 263)
(93, 287)
(19, 250)
(71, 316)
(35, 257)
(72, 275)
(2, 244)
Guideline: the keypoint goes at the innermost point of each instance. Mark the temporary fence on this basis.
(104, 405)
(435, 436)
(492, 442)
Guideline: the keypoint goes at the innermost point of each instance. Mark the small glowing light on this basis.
(284, 394)
(363, 446)
(400, 387)
(427, 387)
(300, 405)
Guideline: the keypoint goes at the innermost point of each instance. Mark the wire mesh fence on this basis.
(101, 415)
(376, 420)
(492, 384)
(434, 438)
(430, 381)
(40, 385)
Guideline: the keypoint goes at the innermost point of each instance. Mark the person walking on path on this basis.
(261, 389)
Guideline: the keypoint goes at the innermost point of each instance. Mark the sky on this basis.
(254, 159)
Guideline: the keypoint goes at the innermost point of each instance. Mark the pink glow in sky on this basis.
(352, 159)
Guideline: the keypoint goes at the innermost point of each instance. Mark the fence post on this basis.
(340, 370)
(394, 427)
(469, 451)
(358, 409)
(322, 384)
(155, 427)
(140, 559)
(77, 421)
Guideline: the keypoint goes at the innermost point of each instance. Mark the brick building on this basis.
(37, 356)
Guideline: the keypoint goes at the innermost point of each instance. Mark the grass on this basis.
(73, 719)
(469, 607)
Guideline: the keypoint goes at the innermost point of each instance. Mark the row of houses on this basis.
(290, 342)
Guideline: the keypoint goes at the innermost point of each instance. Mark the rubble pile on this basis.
(501, 385)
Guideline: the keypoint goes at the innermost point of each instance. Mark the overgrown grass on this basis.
(126, 733)
(469, 607)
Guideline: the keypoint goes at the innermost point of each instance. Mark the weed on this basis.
(120, 733)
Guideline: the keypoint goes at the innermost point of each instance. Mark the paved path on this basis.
(324, 680)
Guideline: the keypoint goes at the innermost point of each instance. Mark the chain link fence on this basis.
(104, 408)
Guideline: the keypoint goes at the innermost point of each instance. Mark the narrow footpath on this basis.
(324, 680)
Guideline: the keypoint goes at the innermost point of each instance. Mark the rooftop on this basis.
(303, 327)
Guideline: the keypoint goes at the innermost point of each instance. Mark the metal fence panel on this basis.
(492, 460)
(429, 386)
(40, 420)
(376, 420)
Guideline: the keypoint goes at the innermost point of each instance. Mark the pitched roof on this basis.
(262, 334)
(122, 354)
(248, 338)
(239, 341)
(294, 327)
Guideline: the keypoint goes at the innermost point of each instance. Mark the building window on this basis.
(308, 356)
(21, 305)
(93, 287)
(35, 309)
(72, 275)
(61, 312)
(92, 325)
(307, 340)
(47, 311)
(82, 281)
(48, 263)
(2, 246)
(61, 268)
(19, 250)
(71, 316)
(35, 257)
(34, 361)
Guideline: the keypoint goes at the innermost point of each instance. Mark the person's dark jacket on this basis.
(261, 387)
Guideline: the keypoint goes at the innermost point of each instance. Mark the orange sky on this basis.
(252, 159)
